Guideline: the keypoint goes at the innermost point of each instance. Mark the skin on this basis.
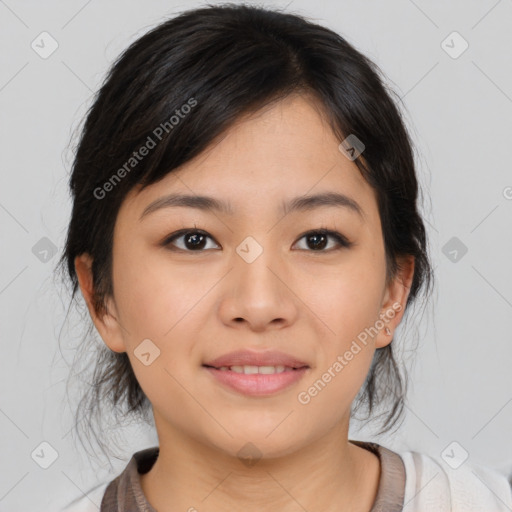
(311, 303)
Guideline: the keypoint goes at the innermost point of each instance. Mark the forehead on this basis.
(283, 151)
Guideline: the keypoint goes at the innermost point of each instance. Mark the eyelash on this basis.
(342, 241)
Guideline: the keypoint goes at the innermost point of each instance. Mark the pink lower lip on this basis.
(257, 384)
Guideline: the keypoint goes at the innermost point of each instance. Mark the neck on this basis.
(329, 474)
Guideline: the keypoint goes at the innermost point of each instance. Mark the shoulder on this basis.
(140, 462)
(90, 502)
(433, 484)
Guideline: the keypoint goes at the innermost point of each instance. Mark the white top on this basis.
(430, 485)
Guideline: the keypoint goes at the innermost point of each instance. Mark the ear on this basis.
(107, 324)
(394, 300)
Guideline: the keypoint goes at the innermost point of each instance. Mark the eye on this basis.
(318, 240)
(194, 240)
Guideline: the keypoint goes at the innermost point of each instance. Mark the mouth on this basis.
(253, 369)
(251, 361)
(257, 381)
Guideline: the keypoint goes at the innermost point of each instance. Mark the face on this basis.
(193, 283)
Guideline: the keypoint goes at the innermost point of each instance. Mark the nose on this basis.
(258, 294)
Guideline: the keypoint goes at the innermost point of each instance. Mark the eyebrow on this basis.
(300, 203)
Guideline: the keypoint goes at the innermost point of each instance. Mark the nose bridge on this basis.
(255, 264)
(257, 293)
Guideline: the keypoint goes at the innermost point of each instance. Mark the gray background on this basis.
(459, 115)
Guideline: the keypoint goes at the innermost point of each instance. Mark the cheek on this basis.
(347, 299)
(153, 297)
(327, 397)
(348, 303)
(162, 303)
(159, 305)
(349, 306)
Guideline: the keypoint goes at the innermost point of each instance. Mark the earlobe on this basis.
(106, 324)
(395, 299)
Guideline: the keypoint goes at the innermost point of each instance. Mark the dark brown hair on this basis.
(231, 60)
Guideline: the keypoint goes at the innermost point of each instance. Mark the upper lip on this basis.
(256, 358)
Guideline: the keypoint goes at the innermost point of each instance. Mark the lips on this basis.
(256, 358)
(257, 385)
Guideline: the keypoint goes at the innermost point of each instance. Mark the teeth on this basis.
(271, 369)
(267, 370)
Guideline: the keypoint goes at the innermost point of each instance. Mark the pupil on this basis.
(316, 237)
(195, 237)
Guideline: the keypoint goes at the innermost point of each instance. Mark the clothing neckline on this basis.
(124, 493)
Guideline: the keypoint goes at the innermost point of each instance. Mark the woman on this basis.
(246, 235)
